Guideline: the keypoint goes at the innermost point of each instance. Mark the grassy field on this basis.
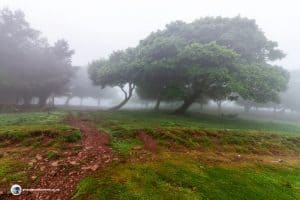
(33, 128)
(199, 157)
(197, 131)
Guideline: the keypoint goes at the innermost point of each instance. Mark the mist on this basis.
(100, 27)
(149, 99)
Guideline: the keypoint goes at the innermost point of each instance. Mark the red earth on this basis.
(66, 172)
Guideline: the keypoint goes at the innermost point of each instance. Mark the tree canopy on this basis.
(212, 57)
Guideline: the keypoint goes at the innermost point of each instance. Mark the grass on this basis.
(187, 165)
(30, 118)
(183, 178)
(36, 129)
(12, 170)
(243, 136)
(147, 119)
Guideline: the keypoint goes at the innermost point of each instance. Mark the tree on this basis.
(210, 57)
(208, 69)
(160, 75)
(240, 35)
(121, 70)
(29, 66)
(81, 86)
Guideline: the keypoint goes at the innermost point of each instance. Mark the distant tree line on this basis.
(30, 68)
(80, 86)
(211, 58)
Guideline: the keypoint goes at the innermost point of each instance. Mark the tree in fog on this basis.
(160, 76)
(206, 69)
(29, 66)
(261, 84)
(81, 86)
(120, 70)
(210, 57)
(291, 98)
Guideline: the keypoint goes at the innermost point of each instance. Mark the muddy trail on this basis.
(65, 173)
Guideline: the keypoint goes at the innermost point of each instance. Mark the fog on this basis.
(97, 28)
(76, 54)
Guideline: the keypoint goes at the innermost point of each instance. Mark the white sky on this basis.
(94, 28)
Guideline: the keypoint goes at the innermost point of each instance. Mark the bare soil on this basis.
(149, 143)
(93, 153)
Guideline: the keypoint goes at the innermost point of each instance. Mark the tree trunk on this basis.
(158, 100)
(127, 96)
(219, 106)
(52, 101)
(186, 104)
(81, 101)
(43, 100)
(117, 107)
(68, 100)
(247, 108)
(98, 101)
(26, 101)
(201, 106)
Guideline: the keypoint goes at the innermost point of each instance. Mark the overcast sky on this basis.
(95, 28)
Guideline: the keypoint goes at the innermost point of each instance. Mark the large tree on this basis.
(239, 35)
(210, 57)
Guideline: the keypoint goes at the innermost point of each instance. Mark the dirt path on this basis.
(66, 172)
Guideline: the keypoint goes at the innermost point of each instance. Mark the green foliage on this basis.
(262, 83)
(121, 69)
(208, 58)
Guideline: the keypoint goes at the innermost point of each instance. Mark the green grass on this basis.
(12, 171)
(147, 119)
(31, 118)
(194, 131)
(177, 174)
(36, 129)
(184, 178)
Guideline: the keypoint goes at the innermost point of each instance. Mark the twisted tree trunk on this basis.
(127, 96)
(188, 101)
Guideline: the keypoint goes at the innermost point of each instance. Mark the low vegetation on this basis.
(37, 129)
(198, 158)
(180, 177)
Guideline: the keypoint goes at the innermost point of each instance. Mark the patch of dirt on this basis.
(64, 174)
(149, 143)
